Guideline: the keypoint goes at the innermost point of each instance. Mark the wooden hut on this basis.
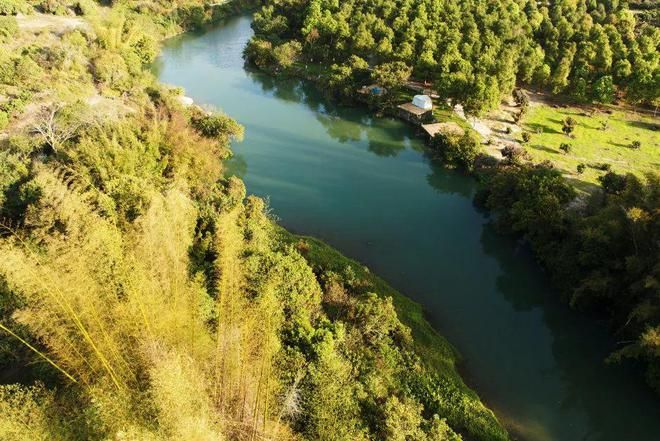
(446, 128)
(414, 114)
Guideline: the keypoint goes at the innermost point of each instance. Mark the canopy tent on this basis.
(423, 102)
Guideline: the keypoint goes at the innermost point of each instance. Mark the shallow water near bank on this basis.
(364, 185)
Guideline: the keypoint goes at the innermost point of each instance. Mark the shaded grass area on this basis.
(604, 138)
(463, 406)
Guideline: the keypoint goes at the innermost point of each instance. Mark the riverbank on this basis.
(574, 201)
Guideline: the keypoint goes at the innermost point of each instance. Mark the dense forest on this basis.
(604, 253)
(473, 52)
(144, 295)
(605, 257)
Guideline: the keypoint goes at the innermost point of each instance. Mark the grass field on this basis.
(599, 139)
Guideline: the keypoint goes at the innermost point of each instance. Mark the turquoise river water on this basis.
(364, 185)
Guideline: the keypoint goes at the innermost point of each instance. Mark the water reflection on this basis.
(579, 348)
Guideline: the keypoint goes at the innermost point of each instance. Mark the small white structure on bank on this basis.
(185, 101)
(417, 111)
(423, 102)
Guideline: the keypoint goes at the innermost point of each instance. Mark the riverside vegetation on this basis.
(602, 250)
(143, 295)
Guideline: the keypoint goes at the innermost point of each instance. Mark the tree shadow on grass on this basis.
(647, 125)
(535, 127)
(544, 148)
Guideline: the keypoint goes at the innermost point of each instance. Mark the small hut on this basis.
(417, 111)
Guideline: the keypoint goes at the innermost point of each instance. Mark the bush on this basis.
(111, 70)
(602, 166)
(220, 127)
(56, 7)
(4, 120)
(612, 183)
(581, 168)
(13, 7)
(8, 28)
(568, 125)
(84, 7)
(526, 137)
(514, 154)
(566, 148)
(636, 145)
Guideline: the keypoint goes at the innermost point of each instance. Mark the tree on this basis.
(457, 151)
(566, 148)
(581, 168)
(287, 53)
(603, 90)
(568, 126)
(392, 75)
(56, 124)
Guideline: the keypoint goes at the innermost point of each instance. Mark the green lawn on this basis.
(592, 144)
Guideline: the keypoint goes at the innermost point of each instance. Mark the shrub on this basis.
(514, 154)
(4, 119)
(84, 7)
(111, 70)
(580, 168)
(56, 7)
(220, 127)
(602, 166)
(566, 148)
(568, 126)
(636, 145)
(526, 137)
(612, 183)
(13, 7)
(8, 28)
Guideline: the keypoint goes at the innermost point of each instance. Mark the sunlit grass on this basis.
(599, 139)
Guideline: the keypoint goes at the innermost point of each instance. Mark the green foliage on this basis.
(8, 28)
(13, 7)
(217, 126)
(526, 137)
(566, 148)
(604, 256)
(586, 51)
(568, 126)
(391, 75)
(458, 151)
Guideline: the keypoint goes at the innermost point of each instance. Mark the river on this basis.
(364, 185)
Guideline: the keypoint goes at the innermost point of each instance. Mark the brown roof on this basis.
(447, 128)
(411, 108)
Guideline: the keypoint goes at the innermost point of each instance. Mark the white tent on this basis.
(423, 102)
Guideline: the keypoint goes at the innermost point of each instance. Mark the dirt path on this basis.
(54, 23)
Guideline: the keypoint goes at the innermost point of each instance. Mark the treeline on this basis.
(604, 256)
(144, 295)
(473, 52)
